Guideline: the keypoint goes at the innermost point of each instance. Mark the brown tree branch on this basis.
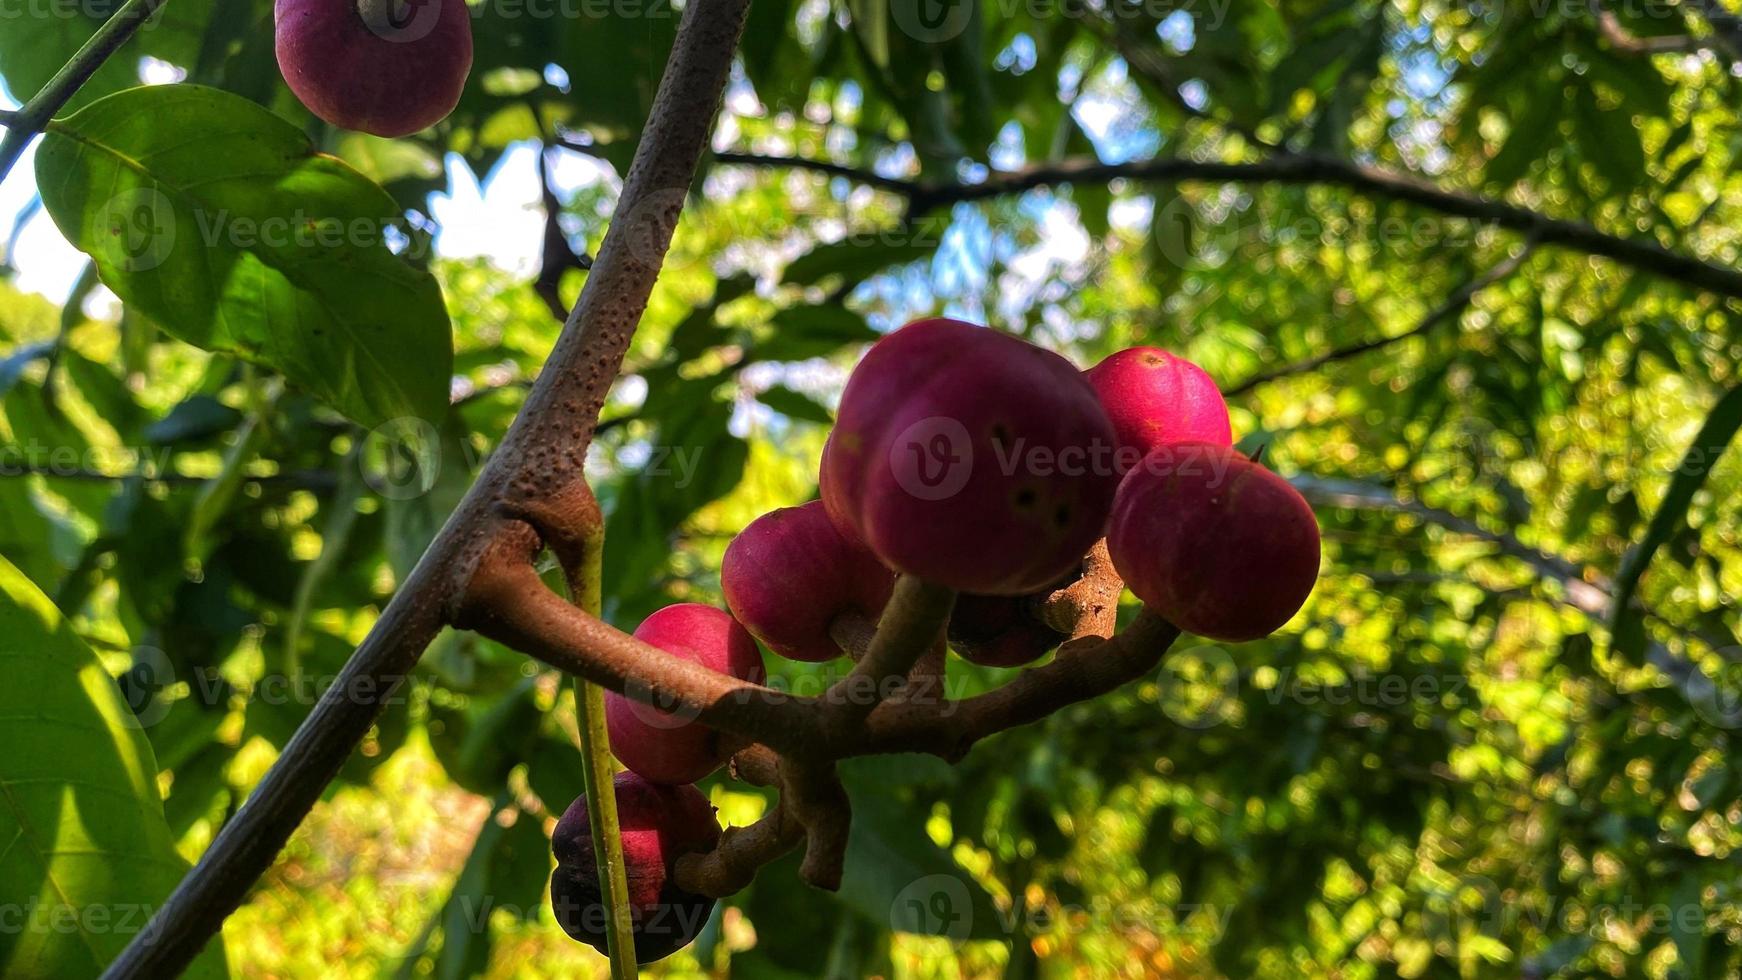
(912, 623)
(732, 864)
(1286, 168)
(541, 457)
(1090, 605)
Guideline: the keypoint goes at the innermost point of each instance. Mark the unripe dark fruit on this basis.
(1000, 631)
(791, 572)
(970, 459)
(387, 67)
(658, 825)
(1155, 398)
(1215, 543)
(663, 747)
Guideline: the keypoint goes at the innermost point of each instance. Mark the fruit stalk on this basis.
(586, 585)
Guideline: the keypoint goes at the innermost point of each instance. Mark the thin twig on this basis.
(33, 116)
(1455, 304)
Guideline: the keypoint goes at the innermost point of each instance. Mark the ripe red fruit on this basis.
(1215, 543)
(665, 747)
(970, 459)
(387, 67)
(1155, 398)
(658, 825)
(791, 572)
(999, 631)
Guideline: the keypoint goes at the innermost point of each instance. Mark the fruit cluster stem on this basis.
(597, 770)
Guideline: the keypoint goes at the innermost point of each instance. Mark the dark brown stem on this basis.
(816, 797)
(730, 866)
(912, 623)
(852, 633)
(1082, 670)
(1090, 605)
(510, 604)
(757, 765)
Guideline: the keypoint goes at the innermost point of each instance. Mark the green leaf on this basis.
(218, 220)
(86, 841)
(813, 331)
(1697, 462)
(794, 405)
(857, 259)
(898, 878)
(1533, 132)
(871, 20)
(1608, 140)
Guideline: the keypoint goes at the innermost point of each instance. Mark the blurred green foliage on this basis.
(1457, 761)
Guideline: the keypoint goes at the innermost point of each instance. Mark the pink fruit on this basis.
(387, 67)
(658, 825)
(1000, 631)
(1155, 398)
(1215, 543)
(663, 747)
(791, 572)
(970, 459)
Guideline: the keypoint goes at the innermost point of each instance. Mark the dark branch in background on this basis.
(1585, 589)
(1308, 169)
(1625, 41)
(30, 118)
(869, 178)
(541, 460)
(1449, 310)
(557, 255)
(318, 481)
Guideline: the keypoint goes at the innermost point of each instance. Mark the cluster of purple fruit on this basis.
(976, 461)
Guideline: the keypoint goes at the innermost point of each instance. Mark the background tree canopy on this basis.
(1466, 270)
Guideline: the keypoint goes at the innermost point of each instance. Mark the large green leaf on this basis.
(86, 852)
(217, 219)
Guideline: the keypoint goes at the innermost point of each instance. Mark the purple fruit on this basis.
(1213, 542)
(663, 747)
(970, 459)
(1000, 631)
(658, 825)
(792, 572)
(1155, 398)
(387, 67)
